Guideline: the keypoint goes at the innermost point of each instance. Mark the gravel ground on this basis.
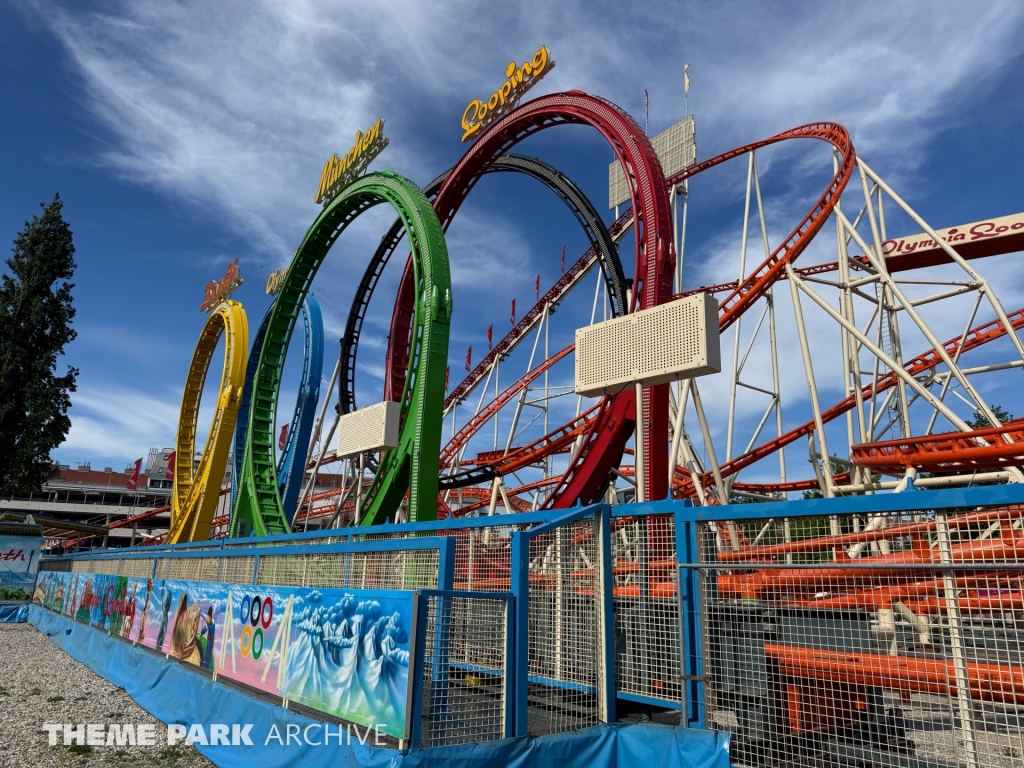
(42, 684)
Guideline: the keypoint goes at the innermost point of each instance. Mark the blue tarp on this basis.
(150, 679)
(13, 613)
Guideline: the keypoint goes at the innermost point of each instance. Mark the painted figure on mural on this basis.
(39, 594)
(163, 622)
(190, 641)
(206, 639)
(145, 607)
(72, 596)
(85, 607)
(129, 618)
(186, 628)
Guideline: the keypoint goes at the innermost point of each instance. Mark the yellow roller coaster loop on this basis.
(197, 489)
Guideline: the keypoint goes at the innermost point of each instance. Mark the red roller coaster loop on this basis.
(608, 435)
(770, 270)
(614, 422)
(653, 267)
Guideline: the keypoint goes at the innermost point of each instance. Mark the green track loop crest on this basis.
(413, 465)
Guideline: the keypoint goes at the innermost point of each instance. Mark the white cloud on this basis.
(112, 421)
(236, 106)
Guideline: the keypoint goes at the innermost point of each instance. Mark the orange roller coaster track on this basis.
(949, 451)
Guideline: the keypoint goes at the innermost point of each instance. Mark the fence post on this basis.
(605, 610)
(691, 634)
(956, 640)
(519, 576)
(420, 646)
(446, 563)
(509, 671)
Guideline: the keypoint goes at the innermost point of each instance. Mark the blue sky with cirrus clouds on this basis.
(182, 136)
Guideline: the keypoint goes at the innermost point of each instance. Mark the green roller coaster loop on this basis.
(413, 465)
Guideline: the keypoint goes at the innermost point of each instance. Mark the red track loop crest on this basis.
(653, 268)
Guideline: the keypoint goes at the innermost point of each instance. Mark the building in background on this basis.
(96, 507)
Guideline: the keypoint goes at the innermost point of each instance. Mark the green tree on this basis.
(980, 421)
(35, 325)
(837, 468)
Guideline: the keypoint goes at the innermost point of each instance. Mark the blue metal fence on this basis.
(603, 609)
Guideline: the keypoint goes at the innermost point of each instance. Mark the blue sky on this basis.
(182, 136)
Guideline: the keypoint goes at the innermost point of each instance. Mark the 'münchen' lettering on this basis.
(338, 171)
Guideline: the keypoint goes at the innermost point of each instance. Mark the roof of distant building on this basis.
(84, 476)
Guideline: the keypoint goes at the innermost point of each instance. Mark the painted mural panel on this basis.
(19, 560)
(345, 652)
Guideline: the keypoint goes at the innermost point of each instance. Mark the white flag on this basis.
(686, 78)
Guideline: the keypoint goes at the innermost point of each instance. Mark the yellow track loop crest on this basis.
(197, 490)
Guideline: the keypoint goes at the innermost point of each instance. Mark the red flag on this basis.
(536, 287)
(490, 330)
(447, 373)
(282, 438)
(513, 311)
(469, 358)
(169, 473)
(133, 481)
(563, 258)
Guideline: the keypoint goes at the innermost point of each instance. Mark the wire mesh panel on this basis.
(464, 670)
(56, 564)
(563, 630)
(100, 565)
(646, 607)
(138, 567)
(189, 568)
(237, 570)
(390, 569)
(887, 639)
(483, 555)
(384, 569)
(283, 570)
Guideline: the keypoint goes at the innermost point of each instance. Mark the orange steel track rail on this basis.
(989, 682)
(979, 449)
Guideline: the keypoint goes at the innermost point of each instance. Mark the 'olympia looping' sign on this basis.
(519, 79)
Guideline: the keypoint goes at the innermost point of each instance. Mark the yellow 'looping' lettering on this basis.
(479, 114)
(540, 60)
(472, 124)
